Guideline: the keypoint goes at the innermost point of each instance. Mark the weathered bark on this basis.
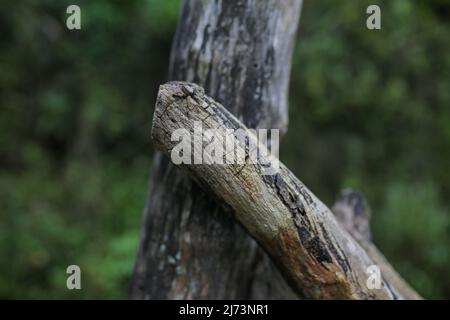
(190, 247)
(318, 258)
(353, 213)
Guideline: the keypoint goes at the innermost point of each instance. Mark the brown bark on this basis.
(353, 212)
(190, 247)
(317, 256)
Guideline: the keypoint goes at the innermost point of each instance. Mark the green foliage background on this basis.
(369, 110)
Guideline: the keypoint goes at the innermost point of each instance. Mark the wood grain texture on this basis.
(318, 258)
(190, 246)
(353, 212)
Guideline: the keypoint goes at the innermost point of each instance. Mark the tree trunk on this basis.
(191, 247)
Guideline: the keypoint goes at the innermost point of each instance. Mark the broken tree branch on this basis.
(318, 258)
(353, 212)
